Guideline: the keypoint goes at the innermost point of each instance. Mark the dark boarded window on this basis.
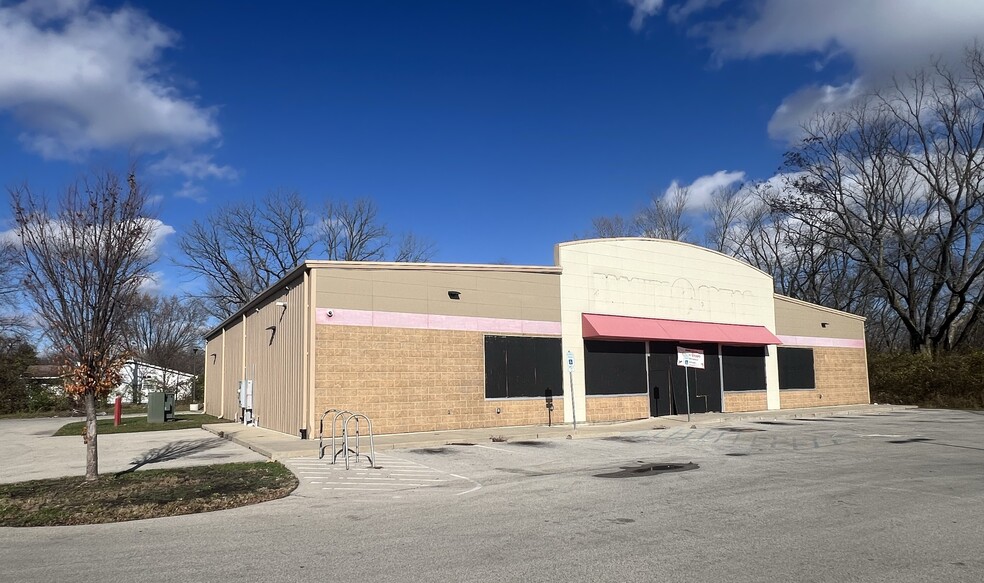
(796, 368)
(743, 368)
(520, 366)
(614, 368)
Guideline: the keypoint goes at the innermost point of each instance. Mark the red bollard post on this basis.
(117, 411)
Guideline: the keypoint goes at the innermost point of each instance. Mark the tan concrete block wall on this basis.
(740, 401)
(616, 408)
(842, 379)
(409, 380)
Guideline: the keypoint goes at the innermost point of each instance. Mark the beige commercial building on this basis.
(617, 329)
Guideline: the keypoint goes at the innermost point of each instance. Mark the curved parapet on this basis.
(656, 278)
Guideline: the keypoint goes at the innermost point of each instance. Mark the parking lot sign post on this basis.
(689, 358)
(570, 374)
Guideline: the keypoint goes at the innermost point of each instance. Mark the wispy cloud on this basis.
(77, 77)
(194, 166)
(192, 191)
(641, 10)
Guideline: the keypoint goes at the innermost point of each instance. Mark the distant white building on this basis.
(137, 377)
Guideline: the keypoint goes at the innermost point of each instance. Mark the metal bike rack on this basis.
(347, 418)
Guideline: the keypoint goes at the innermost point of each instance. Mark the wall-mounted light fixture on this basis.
(824, 324)
(454, 295)
(282, 305)
(213, 355)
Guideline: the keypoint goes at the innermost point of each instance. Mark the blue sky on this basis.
(493, 128)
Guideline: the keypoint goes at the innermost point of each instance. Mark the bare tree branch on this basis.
(897, 181)
(414, 249)
(352, 231)
(242, 249)
(663, 217)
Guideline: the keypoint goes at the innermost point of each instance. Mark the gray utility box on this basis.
(160, 407)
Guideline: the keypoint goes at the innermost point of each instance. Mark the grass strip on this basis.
(144, 494)
(136, 424)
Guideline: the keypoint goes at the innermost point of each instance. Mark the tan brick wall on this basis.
(408, 380)
(616, 408)
(842, 379)
(739, 401)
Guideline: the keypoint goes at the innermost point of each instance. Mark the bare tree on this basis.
(242, 249)
(351, 231)
(84, 261)
(414, 249)
(725, 209)
(12, 322)
(663, 218)
(610, 227)
(165, 331)
(897, 180)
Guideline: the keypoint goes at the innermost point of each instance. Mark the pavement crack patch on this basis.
(649, 469)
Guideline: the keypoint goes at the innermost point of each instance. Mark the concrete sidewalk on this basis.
(279, 446)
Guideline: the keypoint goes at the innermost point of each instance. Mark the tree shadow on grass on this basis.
(172, 451)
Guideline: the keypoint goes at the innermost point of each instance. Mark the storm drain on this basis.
(773, 423)
(736, 454)
(739, 429)
(647, 469)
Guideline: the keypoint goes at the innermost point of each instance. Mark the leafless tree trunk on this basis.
(84, 261)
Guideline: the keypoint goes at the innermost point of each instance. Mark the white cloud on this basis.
(77, 78)
(874, 33)
(700, 190)
(153, 284)
(881, 38)
(159, 232)
(196, 166)
(800, 107)
(192, 191)
(56, 231)
(641, 10)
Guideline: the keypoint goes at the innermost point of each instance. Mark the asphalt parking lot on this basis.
(894, 497)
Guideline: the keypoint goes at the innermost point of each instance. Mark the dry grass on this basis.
(146, 494)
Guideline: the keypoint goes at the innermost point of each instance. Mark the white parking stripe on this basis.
(387, 474)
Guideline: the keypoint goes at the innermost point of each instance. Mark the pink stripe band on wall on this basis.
(343, 317)
(819, 342)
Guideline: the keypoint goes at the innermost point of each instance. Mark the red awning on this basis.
(626, 327)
